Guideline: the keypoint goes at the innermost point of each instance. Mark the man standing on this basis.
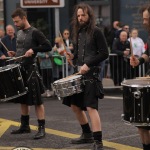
(90, 49)
(8, 43)
(29, 42)
(134, 61)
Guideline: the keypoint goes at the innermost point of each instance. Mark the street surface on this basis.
(61, 126)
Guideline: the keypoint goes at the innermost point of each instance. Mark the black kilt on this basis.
(33, 82)
(88, 98)
(144, 127)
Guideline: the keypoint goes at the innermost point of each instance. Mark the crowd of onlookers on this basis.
(121, 40)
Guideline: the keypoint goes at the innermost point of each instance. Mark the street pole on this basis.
(57, 25)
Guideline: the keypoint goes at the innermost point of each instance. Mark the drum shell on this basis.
(68, 87)
(12, 85)
(136, 102)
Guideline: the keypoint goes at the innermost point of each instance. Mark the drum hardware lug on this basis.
(18, 92)
(139, 105)
(5, 96)
(19, 78)
(26, 88)
(137, 94)
(147, 119)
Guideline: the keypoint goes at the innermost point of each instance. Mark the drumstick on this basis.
(6, 58)
(131, 48)
(14, 58)
(4, 46)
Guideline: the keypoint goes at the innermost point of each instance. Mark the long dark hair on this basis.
(142, 9)
(74, 22)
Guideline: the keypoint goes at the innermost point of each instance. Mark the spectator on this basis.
(137, 43)
(2, 33)
(58, 52)
(46, 71)
(111, 34)
(127, 29)
(67, 40)
(8, 43)
(69, 47)
(138, 48)
(120, 47)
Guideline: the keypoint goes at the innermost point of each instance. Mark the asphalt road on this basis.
(61, 126)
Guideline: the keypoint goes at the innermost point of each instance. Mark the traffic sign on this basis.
(42, 3)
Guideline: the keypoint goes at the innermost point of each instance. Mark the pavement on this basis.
(61, 126)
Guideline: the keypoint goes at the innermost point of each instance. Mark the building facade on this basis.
(106, 11)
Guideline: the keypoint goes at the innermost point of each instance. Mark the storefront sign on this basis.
(41, 3)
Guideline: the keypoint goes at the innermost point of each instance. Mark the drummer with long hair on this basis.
(144, 131)
(90, 49)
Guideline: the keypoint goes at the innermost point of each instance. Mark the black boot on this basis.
(24, 127)
(97, 145)
(84, 138)
(41, 130)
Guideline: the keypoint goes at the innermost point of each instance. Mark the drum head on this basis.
(73, 77)
(136, 83)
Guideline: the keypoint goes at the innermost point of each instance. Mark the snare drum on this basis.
(11, 82)
(68, 86)
(136, 102)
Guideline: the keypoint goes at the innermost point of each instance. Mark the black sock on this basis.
(41, 122)
(86, 128)
(146, 147)
(97, 136)
(25, 119)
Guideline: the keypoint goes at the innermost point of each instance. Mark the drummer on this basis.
(134, 61)
(90, 49)
(29, 41)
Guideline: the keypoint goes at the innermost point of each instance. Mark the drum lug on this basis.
(18, 92)
(137, 94)
(147, 120)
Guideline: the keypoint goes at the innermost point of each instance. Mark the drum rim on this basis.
(135, 85)
(9, 68)
(67, 80)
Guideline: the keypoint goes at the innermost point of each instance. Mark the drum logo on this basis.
(22, 148)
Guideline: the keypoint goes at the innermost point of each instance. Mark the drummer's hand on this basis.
(3, 57)
(11, 53)
(84, 69)
(29, 53)
(134, 61)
